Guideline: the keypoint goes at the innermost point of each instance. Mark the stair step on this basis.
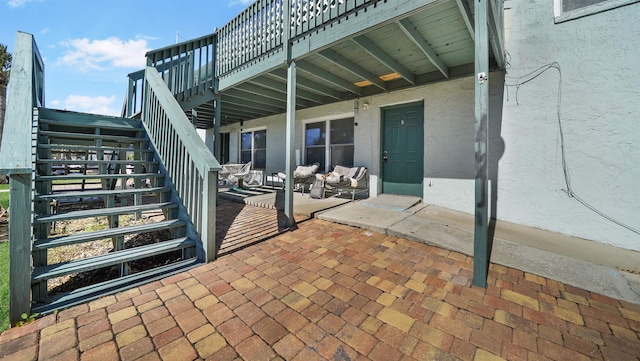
(92, 149)
(48, 218)
(85, 294)
(42, 244)
(102, 123)
(95, 162)
(46, 178)
(110, 259)
(70, 135)
(101, 193)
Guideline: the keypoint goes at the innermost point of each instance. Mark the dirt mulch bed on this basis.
(100, 247)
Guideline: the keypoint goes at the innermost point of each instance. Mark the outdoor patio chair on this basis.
(301, 175)
(343, 178)
(231, 173)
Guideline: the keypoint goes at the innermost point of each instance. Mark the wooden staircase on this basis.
(90, 167)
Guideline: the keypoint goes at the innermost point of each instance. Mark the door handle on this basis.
(385, 158)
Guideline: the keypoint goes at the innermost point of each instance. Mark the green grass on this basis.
(4, 196)
(4, 286)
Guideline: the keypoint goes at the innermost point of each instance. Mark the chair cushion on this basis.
(334, 177)
(342, 174)
(302, 171)
(341, 170)
(305, 170)
(356, 172)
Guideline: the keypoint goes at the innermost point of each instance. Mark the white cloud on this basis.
(88, 104)
(20, 3)
(240, 2)
(17, 3)
(45, 30)
(146, 37)
(103, 54)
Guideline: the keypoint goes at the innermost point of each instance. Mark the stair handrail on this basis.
(26, 93)
(189, 164)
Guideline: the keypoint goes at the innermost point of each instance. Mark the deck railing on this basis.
(26, 92)
(186, 159)
(133, 101)
(190, 69)
(187, 68)
(259, 29)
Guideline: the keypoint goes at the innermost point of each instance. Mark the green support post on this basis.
(20, 246)
(217, 144)
(290, 128)
(290, 122)
(480, 242)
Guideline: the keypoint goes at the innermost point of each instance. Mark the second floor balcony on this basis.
(343, 49)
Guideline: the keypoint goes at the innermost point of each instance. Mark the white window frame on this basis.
(604, 5)
(253, 149)
(327, 143)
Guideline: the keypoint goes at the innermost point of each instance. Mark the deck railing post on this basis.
(26, 91)
(130, 97)
(20, 246)
(210, 193)
(217, 144)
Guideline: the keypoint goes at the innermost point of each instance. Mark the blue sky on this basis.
(89, 46)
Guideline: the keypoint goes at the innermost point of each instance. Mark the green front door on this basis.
(403, 149)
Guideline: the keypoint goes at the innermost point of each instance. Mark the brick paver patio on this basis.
(333, 292)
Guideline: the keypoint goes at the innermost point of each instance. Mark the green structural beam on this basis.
(290, 125)
(480, 241)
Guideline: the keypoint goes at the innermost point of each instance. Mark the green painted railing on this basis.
(188, 162)
(259, 29)
(190, 69)
(187, 68)
(133, 101)
(26, 92)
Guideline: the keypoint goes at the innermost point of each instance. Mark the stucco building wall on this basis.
(598, 67)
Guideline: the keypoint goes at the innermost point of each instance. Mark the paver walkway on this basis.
(332, 292)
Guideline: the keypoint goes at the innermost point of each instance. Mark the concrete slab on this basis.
(392, 202)
(303, 204)
(522, 248)
(532, 237)
(579, 262)
(376, 214)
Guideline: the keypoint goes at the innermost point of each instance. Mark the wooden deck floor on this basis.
(239, 225)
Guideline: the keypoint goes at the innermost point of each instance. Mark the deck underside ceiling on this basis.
(389, 45)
